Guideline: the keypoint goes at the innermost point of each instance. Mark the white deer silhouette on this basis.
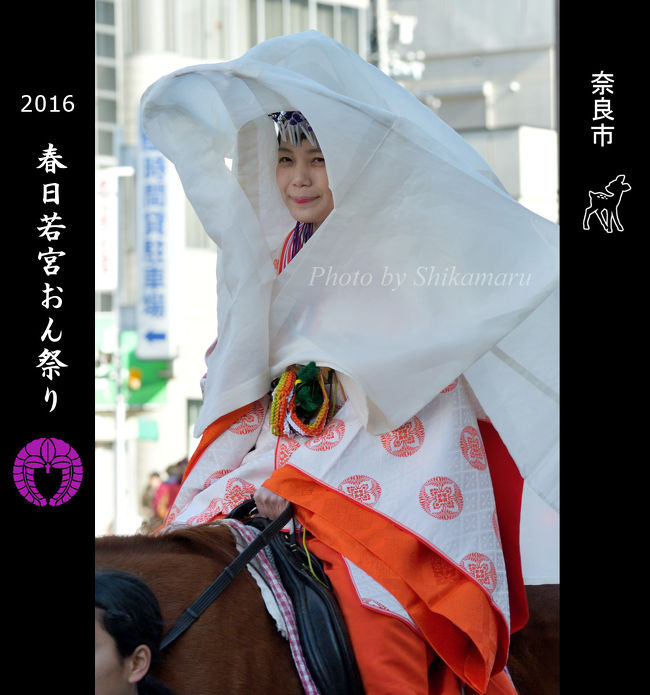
(605, 205)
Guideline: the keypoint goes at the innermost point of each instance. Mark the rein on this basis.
(227, 575)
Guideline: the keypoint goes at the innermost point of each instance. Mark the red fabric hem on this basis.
(508, 486)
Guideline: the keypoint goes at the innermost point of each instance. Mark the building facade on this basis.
(145, 408)
(488, 69)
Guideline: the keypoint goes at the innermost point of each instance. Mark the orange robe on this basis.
(459, 637)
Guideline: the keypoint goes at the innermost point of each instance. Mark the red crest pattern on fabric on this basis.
(171, 515)
(430, 475)
(442, 498)
(482, 569)
(215, 507)
(238, 490)
(286, 447)
(442, 570)
(251, 421)
(215, 476)
(330, 437)
(405, 440)
(362, 488)
(472, 447)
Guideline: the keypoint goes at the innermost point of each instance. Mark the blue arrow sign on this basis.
(160, 206)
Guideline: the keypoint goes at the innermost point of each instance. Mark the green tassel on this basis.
(308, 394)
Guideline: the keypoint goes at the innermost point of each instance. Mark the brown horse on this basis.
(534, 660)
(234, 647)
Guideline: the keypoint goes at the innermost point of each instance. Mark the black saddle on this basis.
(323, 635)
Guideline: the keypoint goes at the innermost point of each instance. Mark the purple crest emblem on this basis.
(47, 453)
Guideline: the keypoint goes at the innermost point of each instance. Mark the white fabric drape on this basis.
(426, 268)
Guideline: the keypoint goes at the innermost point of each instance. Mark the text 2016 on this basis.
(40, 104)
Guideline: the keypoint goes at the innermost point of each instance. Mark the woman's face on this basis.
(111, 670)
(302, 180)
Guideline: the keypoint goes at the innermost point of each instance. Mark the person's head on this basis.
(176, 470)
(128, 630)
(301, 173)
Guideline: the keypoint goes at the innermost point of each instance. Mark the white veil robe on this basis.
(426, 268)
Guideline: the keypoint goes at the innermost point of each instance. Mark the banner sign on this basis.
(159, 238)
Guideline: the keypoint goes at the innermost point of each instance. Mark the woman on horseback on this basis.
(365, 368)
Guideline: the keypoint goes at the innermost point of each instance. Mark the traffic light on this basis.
(134, 381)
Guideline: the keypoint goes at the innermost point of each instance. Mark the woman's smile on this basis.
(302, 179)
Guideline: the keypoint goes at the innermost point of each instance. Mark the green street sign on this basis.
(143, 381)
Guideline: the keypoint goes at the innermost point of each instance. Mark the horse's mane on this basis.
(214, 540)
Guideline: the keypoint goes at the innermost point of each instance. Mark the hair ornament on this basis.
(293, 126)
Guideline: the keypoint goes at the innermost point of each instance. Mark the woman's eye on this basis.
(284, 160)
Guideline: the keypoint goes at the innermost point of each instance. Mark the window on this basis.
(103, 301)
(350, 27)
(106, 110)
(106, 78)
(104, 45)
(252, 22)
(325, 19)
(104, 13)
(341, 22)
(298, 16)
(189, 28)
(217, 29)
(105, 142)
(273, 18)
(107, 62)
(201, 28)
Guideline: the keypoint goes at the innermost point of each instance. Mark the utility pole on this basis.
(120, 477)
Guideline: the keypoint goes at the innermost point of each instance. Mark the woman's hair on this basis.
(131, 615)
